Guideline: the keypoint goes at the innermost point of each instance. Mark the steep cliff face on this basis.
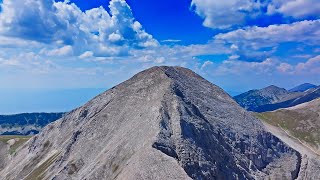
(163, 123)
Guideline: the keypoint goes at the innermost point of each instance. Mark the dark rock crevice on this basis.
(164, 141)
(295, 174)
(71, 143)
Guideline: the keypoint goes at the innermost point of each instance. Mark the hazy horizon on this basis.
(16, 101)
(33, 100)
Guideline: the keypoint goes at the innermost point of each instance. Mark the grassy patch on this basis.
(19, 140)
(300, 124)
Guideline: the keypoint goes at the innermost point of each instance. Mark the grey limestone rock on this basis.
(163, 123)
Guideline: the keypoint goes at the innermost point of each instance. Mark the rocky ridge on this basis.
(254, 99)
(303, 87)
(304, 97)
(163, 123)
(273, 98)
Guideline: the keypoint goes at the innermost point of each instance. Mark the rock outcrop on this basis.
(163, 123)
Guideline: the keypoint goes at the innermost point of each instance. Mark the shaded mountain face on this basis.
(253, 99)
(306, 96)
(303, 87)
(26, 123)
(163, 123)
(302, 121)
(272, 98)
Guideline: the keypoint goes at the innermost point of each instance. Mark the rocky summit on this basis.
(163, 123)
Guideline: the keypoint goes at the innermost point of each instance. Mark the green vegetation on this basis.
(19, 140)
(300, 124)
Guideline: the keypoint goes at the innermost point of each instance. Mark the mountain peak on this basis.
(163, 123)
(268, 95)
(273, 87)
(303, 87)
(171, 71)
(273, 91)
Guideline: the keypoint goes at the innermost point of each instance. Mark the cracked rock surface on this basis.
(163, 123)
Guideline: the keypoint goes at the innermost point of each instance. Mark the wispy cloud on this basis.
(171, 40)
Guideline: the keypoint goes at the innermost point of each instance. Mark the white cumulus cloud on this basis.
(310, 66)
(87, 54)
(295, 8)
(227, 13)
(63, 51)
(257, 43)
(285, 68)
(64, 23)
(224, 14)
(302, 31)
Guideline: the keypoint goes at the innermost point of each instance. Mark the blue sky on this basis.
(236, 44)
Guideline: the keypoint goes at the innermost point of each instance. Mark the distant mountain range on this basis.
(303, 87)
(273, 97)
(26, 123)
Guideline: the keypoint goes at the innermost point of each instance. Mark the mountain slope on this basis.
(302, 121)
(26, 123)
(253, 99)
(303, 87)
(306, 96)
(163, 123)
(299, 127)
